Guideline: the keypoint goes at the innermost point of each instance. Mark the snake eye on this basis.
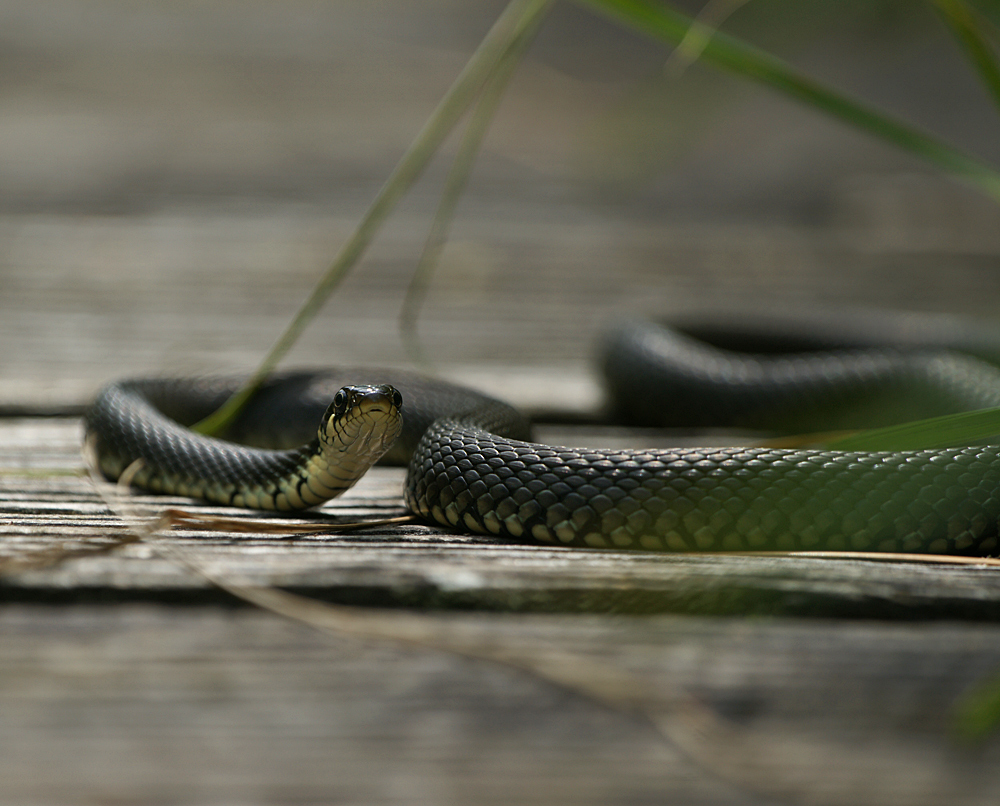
(340, 399)
(397, 399)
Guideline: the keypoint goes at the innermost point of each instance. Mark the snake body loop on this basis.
(471, 467)
(131, 429)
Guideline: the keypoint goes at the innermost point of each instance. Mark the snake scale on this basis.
(471, 467)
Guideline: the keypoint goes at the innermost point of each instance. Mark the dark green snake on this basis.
(471, 468)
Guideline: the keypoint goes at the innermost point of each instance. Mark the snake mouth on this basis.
(378, 409)
(376, 398)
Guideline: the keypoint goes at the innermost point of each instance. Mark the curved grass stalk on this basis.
(725, 51)
(951, 430)
(455, 183)
(518, 19)
(703, 28)
(969, 29)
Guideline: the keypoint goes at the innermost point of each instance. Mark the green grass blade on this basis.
(703, 28)
(977, 713)
(968, 28)
(950, 430)
(519, 16)
(455, 183)
(725, 51)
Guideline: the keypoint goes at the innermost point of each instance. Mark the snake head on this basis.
(363, 421)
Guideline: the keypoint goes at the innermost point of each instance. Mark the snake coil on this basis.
(471, 467)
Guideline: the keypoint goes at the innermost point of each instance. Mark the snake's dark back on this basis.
(713, 499)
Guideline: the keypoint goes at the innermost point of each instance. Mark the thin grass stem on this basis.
(455, 183)
(730, 53)
(951, 430)
(519, 16)
(970, 31)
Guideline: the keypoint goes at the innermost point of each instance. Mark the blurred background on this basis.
(174, 177)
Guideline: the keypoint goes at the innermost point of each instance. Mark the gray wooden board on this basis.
(47, 503)
(135, 703)
(175, 699)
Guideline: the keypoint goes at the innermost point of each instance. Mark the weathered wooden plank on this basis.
(48, 505)
(137, 703)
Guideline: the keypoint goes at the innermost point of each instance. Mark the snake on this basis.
(473, 468)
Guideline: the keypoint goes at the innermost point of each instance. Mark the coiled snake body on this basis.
(471, 467)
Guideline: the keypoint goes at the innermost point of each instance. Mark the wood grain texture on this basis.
(49, 505)
(108, 702)
(134, 703)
